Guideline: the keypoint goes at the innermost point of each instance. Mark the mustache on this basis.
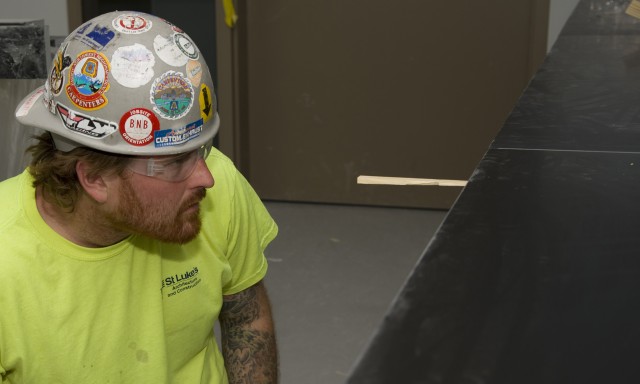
(197, 197)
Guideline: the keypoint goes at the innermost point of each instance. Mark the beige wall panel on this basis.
(333, 89)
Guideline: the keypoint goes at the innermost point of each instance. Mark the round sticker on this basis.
(138, 125)
(172, 95)
(169, 52)
(132, 24)
(132, 65)
(89, 80)
(186, 45)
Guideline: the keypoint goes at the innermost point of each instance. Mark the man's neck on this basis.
(84, 226)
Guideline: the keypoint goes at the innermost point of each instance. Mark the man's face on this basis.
(167, 211)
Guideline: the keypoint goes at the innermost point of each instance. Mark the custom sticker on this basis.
(194, 72)
(138, 125)
(84, 124)
(168, 51)
(97, 38)
(60, 63)
(206, 107)
(28, 104)
(172, 95)
(89, 80)
(132, 66)
(132, 24)
(185, 44)
(168, 137)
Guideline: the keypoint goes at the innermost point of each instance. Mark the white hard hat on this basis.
(127, 83)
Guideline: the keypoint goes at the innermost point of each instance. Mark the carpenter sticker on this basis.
(185, 44)
(132, 65)
(97, 37)
(60, 63)
(89, 80)
(132, 24)
(84, 124)
(172, 95)
(168, 137)
(168, 51)
(194, 72)
(206, 105)
(138, 126)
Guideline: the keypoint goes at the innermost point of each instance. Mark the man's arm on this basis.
(248, 337)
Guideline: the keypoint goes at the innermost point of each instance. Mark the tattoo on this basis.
(248, 338)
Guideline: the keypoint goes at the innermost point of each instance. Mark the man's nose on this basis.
(202, 176)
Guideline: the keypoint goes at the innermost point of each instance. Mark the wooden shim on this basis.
(383, 180)
(634, 9)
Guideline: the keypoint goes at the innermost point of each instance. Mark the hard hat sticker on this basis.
(206, 106)
(85, 125)
(168, 137)
(47, 98)
(185, 44)
(172, 95)
(132, 65)
(27, 104)
(194, 72)
(132, 24)
(60, 63)
(167, 49)
(89, 80)
(97, 37)
(138, 125)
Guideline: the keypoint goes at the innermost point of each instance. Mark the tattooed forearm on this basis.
(249, 357)
(248, 339)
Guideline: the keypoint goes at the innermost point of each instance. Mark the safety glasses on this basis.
(174, 168)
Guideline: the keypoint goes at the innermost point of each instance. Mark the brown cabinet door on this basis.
(319, 92)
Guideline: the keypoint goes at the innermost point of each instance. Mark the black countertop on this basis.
(534, 276)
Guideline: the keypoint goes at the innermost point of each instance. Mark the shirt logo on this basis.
(180, 282)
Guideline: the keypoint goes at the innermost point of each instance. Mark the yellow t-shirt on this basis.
(140, 311)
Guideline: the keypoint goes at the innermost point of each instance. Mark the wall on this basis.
(54, 13)
(559, 12)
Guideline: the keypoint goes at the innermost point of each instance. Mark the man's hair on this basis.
(55, 171)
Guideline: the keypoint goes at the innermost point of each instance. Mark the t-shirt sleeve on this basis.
(251, 229)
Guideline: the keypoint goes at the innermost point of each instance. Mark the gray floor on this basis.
(334, 271)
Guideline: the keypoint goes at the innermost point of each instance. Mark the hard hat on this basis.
(127, 83)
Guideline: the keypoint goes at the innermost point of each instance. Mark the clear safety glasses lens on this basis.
(172, 168)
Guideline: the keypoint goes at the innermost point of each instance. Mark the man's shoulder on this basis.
(218, 160)
(10, 199)
(222, 168)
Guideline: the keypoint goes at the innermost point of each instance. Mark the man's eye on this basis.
(177, 161)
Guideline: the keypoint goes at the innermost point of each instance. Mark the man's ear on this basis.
(94, 185)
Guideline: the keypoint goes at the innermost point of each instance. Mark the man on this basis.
(119, 253)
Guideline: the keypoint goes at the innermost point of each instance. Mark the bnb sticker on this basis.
(138, 125)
